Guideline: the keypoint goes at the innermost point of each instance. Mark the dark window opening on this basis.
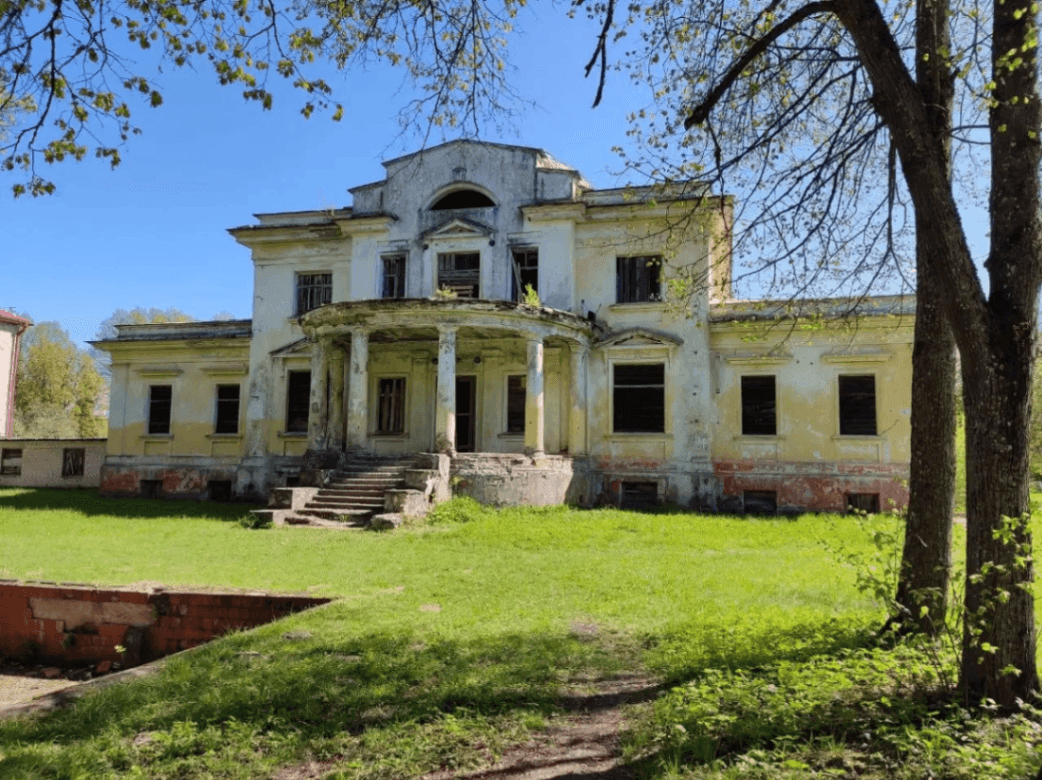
(293, 481)
(159, 400)
(73, 459)
(313, 290)
(526, 273)
(393, 276)
(463, 199)
(227, 409)
(11, 462)
(760, 502)
(219, 489)
(390, 416)
(298, 401)
(516, 404)
(863, 502)
(637, 279)
(857, 406)
(639, 398)
(460, 272)
(759, 410)
(151, 488)
(638, 495)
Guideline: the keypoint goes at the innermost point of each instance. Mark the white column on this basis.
(358, 391)
(577, 411)
(318, 409)
(445, 415)
(535, 404)
(335, 431)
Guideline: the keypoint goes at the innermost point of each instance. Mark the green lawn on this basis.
(449, 641)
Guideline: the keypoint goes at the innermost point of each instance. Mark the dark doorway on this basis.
(465, 415)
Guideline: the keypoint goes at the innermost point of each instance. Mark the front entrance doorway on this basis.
(466, 415)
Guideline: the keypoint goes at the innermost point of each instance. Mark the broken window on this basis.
(219, 489)
(760, 502)
(463, 199)
(638, 495)
(863, 502)
(759, 410)
(857, 406)
(393, 276)
(637, 279)
(313, 290)
(73, 459)
(227, 409)
(10, 462)
(639, 397)
(526, 273)
(159, 400)
(516, 403)
(390, 414)
(460, 272)
(298, 401)
(150, 488)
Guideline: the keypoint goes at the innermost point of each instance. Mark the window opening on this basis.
(760, 502)
(516, 393)
(10, 462)
(466, 413)
(460, 272)
(857, 406)
(313, 290)
(393, 276)
(638, 495)
(526, 273)
(219, 489)
(73, 459)
(759, 409)
(463, 199)
(639, 398)
(151, 488)
(298, 401)
(637, 279)
(159, 401)
(227, 409)
(391, 405)
(863, 502)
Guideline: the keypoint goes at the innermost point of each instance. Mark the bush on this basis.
(462, 509)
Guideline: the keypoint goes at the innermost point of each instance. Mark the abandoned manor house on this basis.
(483, 322)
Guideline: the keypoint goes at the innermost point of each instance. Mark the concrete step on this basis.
(342, 515)
(360, 506)
(348, 496)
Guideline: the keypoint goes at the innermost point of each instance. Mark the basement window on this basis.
(151, 488)
(219, 489)
(463, 199)
(298, 401)
(10, 462)
(863, 502)
(638, 495)
(637, 279)
(160, 398)
(393, 276)
(460, 272)
(760, 502)
(759, 408)
(390, 414)
(227, 409)
(314, 290)
(516, 404)
(639, 398)
(73, 459)
(857, 406)
(526, 273)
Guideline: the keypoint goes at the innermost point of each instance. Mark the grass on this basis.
(448, 642)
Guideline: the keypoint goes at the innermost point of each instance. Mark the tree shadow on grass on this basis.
(88, 502)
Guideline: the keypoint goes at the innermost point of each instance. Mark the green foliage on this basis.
(531, 297)
(462, 509)
(59, 391)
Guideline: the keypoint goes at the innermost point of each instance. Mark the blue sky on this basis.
(153, 231)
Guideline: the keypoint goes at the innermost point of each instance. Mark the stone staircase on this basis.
(357, 490)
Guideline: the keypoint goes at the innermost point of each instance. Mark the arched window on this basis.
(462, 199)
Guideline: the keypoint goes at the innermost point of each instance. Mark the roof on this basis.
(13, 319)
(181, 331)
(826, 308)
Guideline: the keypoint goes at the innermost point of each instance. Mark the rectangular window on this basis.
(526, 273)
(393, 276)
(857, 406)
(637, 279)
(298, 401)
(638, 495)
(219, 489)
(159, 400)
(863, 502)
(391, 405)
(516, 404)
(10, 462)
(460, 272)
(759, 411)
(313, 290)
(760, 502)
(639, 398)
(227, 409)
(151, 488)
(73, 459)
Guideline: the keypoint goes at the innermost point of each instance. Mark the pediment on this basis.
(300, 347)
(458, 227)
(640, 337)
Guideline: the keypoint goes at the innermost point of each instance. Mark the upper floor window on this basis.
(393, 276)
(759, 407)
(462, 199)
(227, 409)
(314, 290)
(159, 402)
(526, 273)
(637, 279)
(460, 272)
(857, 406)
